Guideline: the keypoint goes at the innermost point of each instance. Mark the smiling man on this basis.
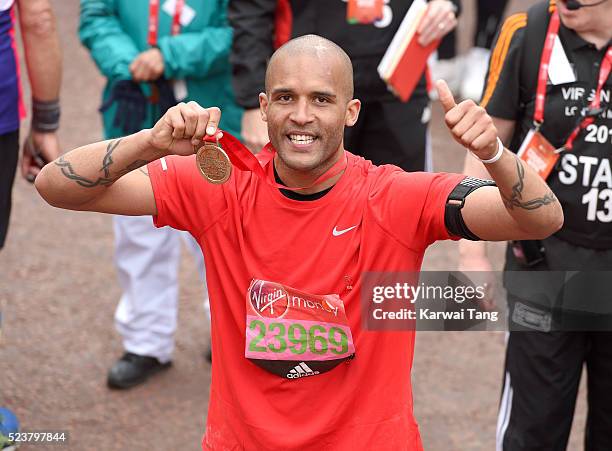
(287, 241)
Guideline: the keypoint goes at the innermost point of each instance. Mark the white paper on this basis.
(384, 69)
(560, 70)
(187, 14)
(180, 89)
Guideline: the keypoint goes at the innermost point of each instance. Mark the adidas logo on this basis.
(300, 370)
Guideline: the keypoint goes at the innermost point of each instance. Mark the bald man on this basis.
(287, 242)
(260, 26)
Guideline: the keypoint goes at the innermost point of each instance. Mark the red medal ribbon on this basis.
(153, 19)
(604, 73)
(243, 159)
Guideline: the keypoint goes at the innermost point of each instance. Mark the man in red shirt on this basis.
(287, 243)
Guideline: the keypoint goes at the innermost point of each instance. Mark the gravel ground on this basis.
(58, 283)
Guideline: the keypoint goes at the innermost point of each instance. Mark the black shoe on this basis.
(133, 369)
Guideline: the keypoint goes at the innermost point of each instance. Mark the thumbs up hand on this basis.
(469, 123)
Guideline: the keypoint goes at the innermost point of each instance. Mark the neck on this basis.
(601, 34)
(599, 39)
(297, 179)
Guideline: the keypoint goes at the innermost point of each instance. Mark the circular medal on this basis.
(213, 163)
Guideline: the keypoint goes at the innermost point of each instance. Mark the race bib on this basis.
(294, 334)
(538, 153)
(364, 11)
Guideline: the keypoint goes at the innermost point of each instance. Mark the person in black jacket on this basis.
(549, 77)
(388, 130)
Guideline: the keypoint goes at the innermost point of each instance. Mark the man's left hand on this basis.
(438, 21)
(469, 123)
(148, 66)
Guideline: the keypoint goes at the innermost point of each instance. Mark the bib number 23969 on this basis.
(297, 338)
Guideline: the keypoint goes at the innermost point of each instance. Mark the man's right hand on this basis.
(254, 130)
(183, 127)
(75, 180)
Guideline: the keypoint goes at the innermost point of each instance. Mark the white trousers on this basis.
(147, 261)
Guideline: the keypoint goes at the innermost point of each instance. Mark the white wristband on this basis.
(498, 154)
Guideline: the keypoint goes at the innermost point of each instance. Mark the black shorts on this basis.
(9, 155)
(391, 132)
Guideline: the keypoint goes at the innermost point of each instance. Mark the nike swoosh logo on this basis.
(337, 232)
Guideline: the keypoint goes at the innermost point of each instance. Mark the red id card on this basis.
(364, 11)
(538, 153)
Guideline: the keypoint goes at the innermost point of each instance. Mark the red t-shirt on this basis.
(247, 229)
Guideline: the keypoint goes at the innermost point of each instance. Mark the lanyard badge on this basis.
(364, 11)
(536, 150)
(154, 16)
(538, 153)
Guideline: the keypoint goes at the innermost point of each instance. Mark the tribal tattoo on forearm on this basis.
(69, 172)
(516, 199)
(107, 161)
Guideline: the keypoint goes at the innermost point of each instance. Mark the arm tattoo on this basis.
(516, 199)
(107, 161)
(69, 172)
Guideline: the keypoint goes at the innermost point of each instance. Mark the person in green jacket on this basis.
(154, 54)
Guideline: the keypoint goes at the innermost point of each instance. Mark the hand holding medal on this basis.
(189, 128)
(183, 127)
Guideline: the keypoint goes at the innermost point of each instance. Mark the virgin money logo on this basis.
(269, 299)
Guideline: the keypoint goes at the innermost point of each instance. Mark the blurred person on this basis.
(153, 53)
(275, 226)
(549, 82)
(466, 74)
(388, 130)
(43, 59)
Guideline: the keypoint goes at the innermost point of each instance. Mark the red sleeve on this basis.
(411, 205)
(184, 200)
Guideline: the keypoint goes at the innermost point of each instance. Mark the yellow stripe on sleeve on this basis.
(498, 57)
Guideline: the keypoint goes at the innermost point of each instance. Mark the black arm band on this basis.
(453, 219)
(45, 115)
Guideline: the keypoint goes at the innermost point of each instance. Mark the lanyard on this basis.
(243, 159)
(153, 19)
(594, 106)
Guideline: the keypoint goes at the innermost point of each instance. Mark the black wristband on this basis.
(45, 115)
(453, 219)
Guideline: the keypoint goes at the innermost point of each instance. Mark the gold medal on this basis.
(213, 163)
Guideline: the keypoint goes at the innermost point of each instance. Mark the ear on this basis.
(263, 106)
(352, 112)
